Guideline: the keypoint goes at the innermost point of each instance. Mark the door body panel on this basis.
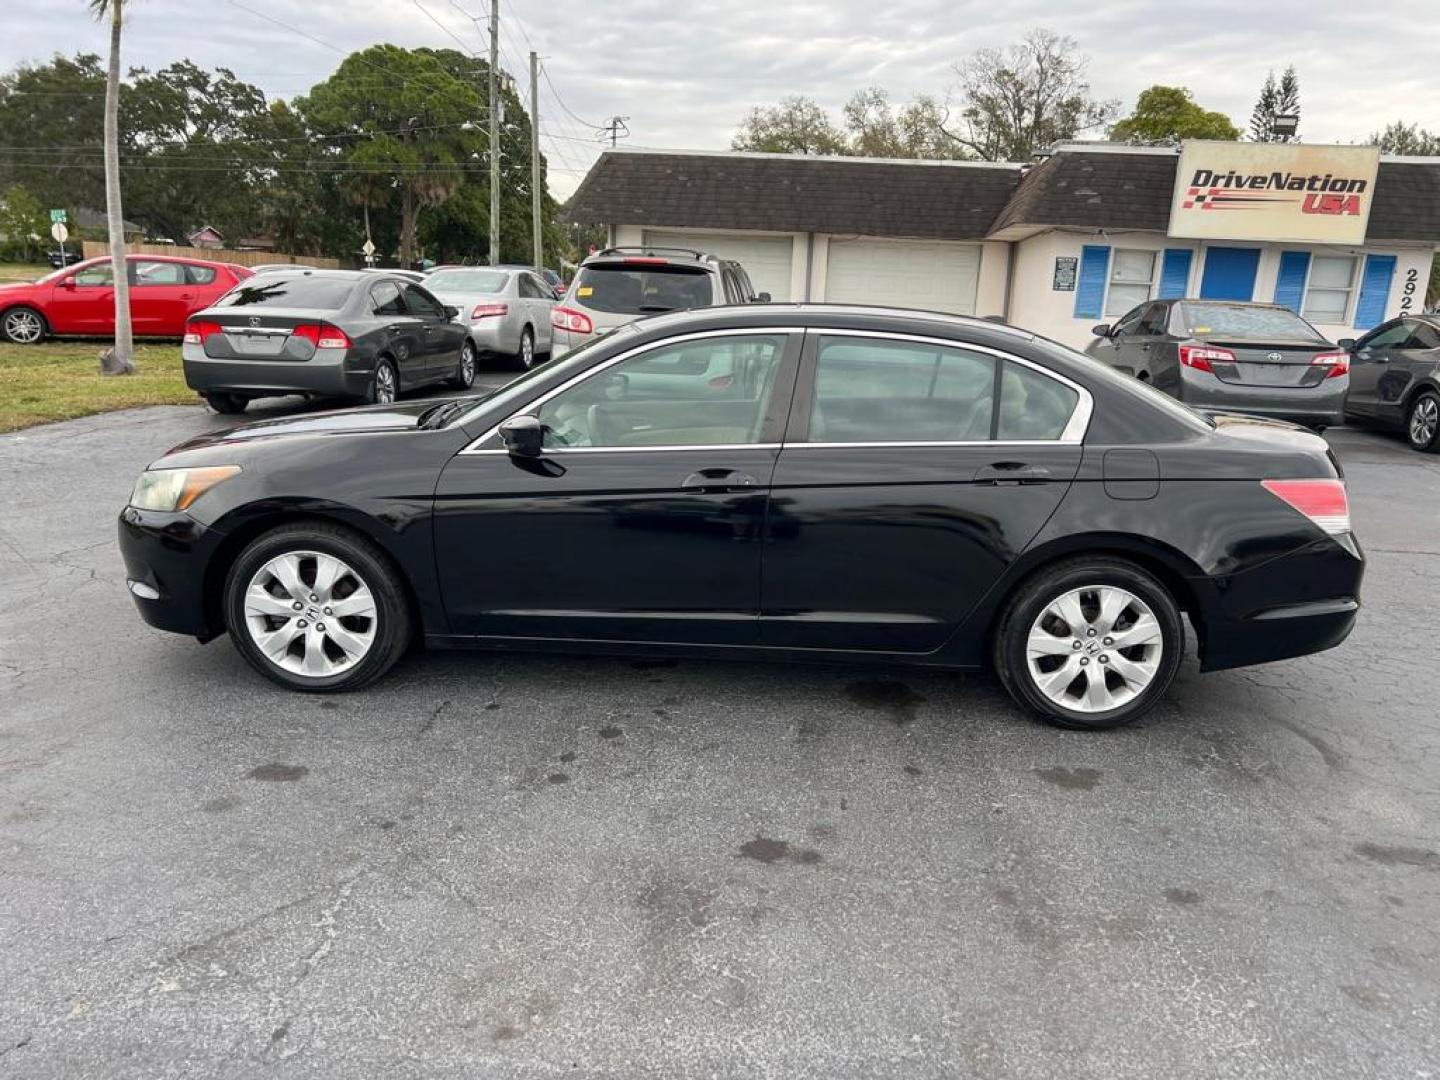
(88, 308)
(1372, 361)
(888, 548)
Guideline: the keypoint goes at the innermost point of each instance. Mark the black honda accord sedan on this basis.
(788, 482)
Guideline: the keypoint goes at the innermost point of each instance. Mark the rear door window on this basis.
(422, 304)
(385, 299)
(146, 272)
(631, 290)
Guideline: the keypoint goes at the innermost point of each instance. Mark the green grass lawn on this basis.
(22, 271)
(59, 380)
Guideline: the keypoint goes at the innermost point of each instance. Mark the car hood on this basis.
(12, 287)
(373, 419)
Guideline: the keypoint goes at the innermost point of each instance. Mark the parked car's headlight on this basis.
(176, 489)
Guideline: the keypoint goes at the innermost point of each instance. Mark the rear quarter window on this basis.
(200, 275)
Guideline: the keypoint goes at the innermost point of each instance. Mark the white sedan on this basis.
(506, 308)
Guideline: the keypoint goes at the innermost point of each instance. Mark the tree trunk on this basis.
(124, 343)
(408, 213)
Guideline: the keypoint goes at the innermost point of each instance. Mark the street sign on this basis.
(57, 216)
(59, 232)
(368, 248)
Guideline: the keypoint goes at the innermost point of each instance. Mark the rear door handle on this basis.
(1012, 472)
(719, 480)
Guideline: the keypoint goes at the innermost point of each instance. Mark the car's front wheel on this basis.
(1422, 422)
(1089, 643)
(23, 326)
(316, 607)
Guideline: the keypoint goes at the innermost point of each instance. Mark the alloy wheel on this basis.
(23, 327)
(1094, 649)
(384, 385)
(1424, 419)
(467, 365)
(311, 614)
(527, 350)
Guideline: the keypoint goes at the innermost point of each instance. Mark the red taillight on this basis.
(1200, 357)
(1337, 362)
(485, 311)
(197, 330)
(576, 322)
(1322, 501)
(643, 262)
(322, 335)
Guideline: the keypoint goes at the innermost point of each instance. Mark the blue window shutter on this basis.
(1175, 274)
(1090, 286)
(1290, 282)
(1374, 290)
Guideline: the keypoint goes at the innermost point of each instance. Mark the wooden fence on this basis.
(94, 248)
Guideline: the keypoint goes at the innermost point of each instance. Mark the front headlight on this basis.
(177, 489)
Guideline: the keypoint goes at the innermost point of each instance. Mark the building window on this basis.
(1132, 274)
(1327, 292)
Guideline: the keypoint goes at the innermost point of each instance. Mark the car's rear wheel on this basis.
(226, 404)
(1089, 643)
(1422, 422)
(385, 386)
(316, 607)
(525, 358)
(464, 376)
(23, 326)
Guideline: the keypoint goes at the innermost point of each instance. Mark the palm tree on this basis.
(124, 343)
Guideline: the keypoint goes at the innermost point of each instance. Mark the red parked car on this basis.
(80, 300)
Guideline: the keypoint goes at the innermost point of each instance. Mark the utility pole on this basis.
(494, 133)
(616, 129)
(535, 247)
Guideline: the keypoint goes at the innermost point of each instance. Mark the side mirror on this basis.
(1346, 343)
(1102, 330)
(451, 311)
(68, 282)
(524, 436)
(761, 298)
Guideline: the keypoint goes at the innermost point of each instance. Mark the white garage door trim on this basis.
(766, 259)
(933, 275)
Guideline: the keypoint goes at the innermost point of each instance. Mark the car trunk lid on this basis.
(276, 334)
(1270, 363)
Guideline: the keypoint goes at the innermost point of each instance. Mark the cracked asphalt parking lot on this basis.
(521, 866)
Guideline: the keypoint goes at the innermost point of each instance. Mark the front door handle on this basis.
(1012, 472)
(718, 480)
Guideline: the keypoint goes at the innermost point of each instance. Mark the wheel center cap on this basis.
(1092, 647)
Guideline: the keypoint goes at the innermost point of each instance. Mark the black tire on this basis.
(464, 376)
(382, 392)
(1009, 647)
(23, 325)
(525, 358)
(1422, 423)
(392, 621)
(226, 404)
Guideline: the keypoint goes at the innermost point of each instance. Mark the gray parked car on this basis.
(621, 284)
(507, 308)
(323, 333)
(1395, 379)
(1233, 357)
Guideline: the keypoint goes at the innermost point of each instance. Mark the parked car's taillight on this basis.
(1200, 357)
(1337, 362)
(576, 322)
(485, 311)
(1322, 501)
(197, 330)
(322, 335)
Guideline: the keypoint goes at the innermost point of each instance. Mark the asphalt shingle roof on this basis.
(786, 193)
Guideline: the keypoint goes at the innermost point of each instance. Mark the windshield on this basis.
(468, 281)
(1244, 321)
(516, 389)
(626, 290)
(272, 290)
(1128, 384)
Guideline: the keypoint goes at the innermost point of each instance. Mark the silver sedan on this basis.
(505, 308)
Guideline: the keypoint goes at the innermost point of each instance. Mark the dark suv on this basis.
(621, 284)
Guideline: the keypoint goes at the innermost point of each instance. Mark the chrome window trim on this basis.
(475, 446)
(1075, 428)
(641, 449)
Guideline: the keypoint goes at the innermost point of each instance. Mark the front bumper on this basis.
(166, 558)
(329, 373)
(1301, 603)
(1313, 406)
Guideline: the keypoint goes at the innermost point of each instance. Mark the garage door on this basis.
(765, 258)
(903, 273)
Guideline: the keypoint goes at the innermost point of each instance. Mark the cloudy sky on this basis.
(685, 72)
